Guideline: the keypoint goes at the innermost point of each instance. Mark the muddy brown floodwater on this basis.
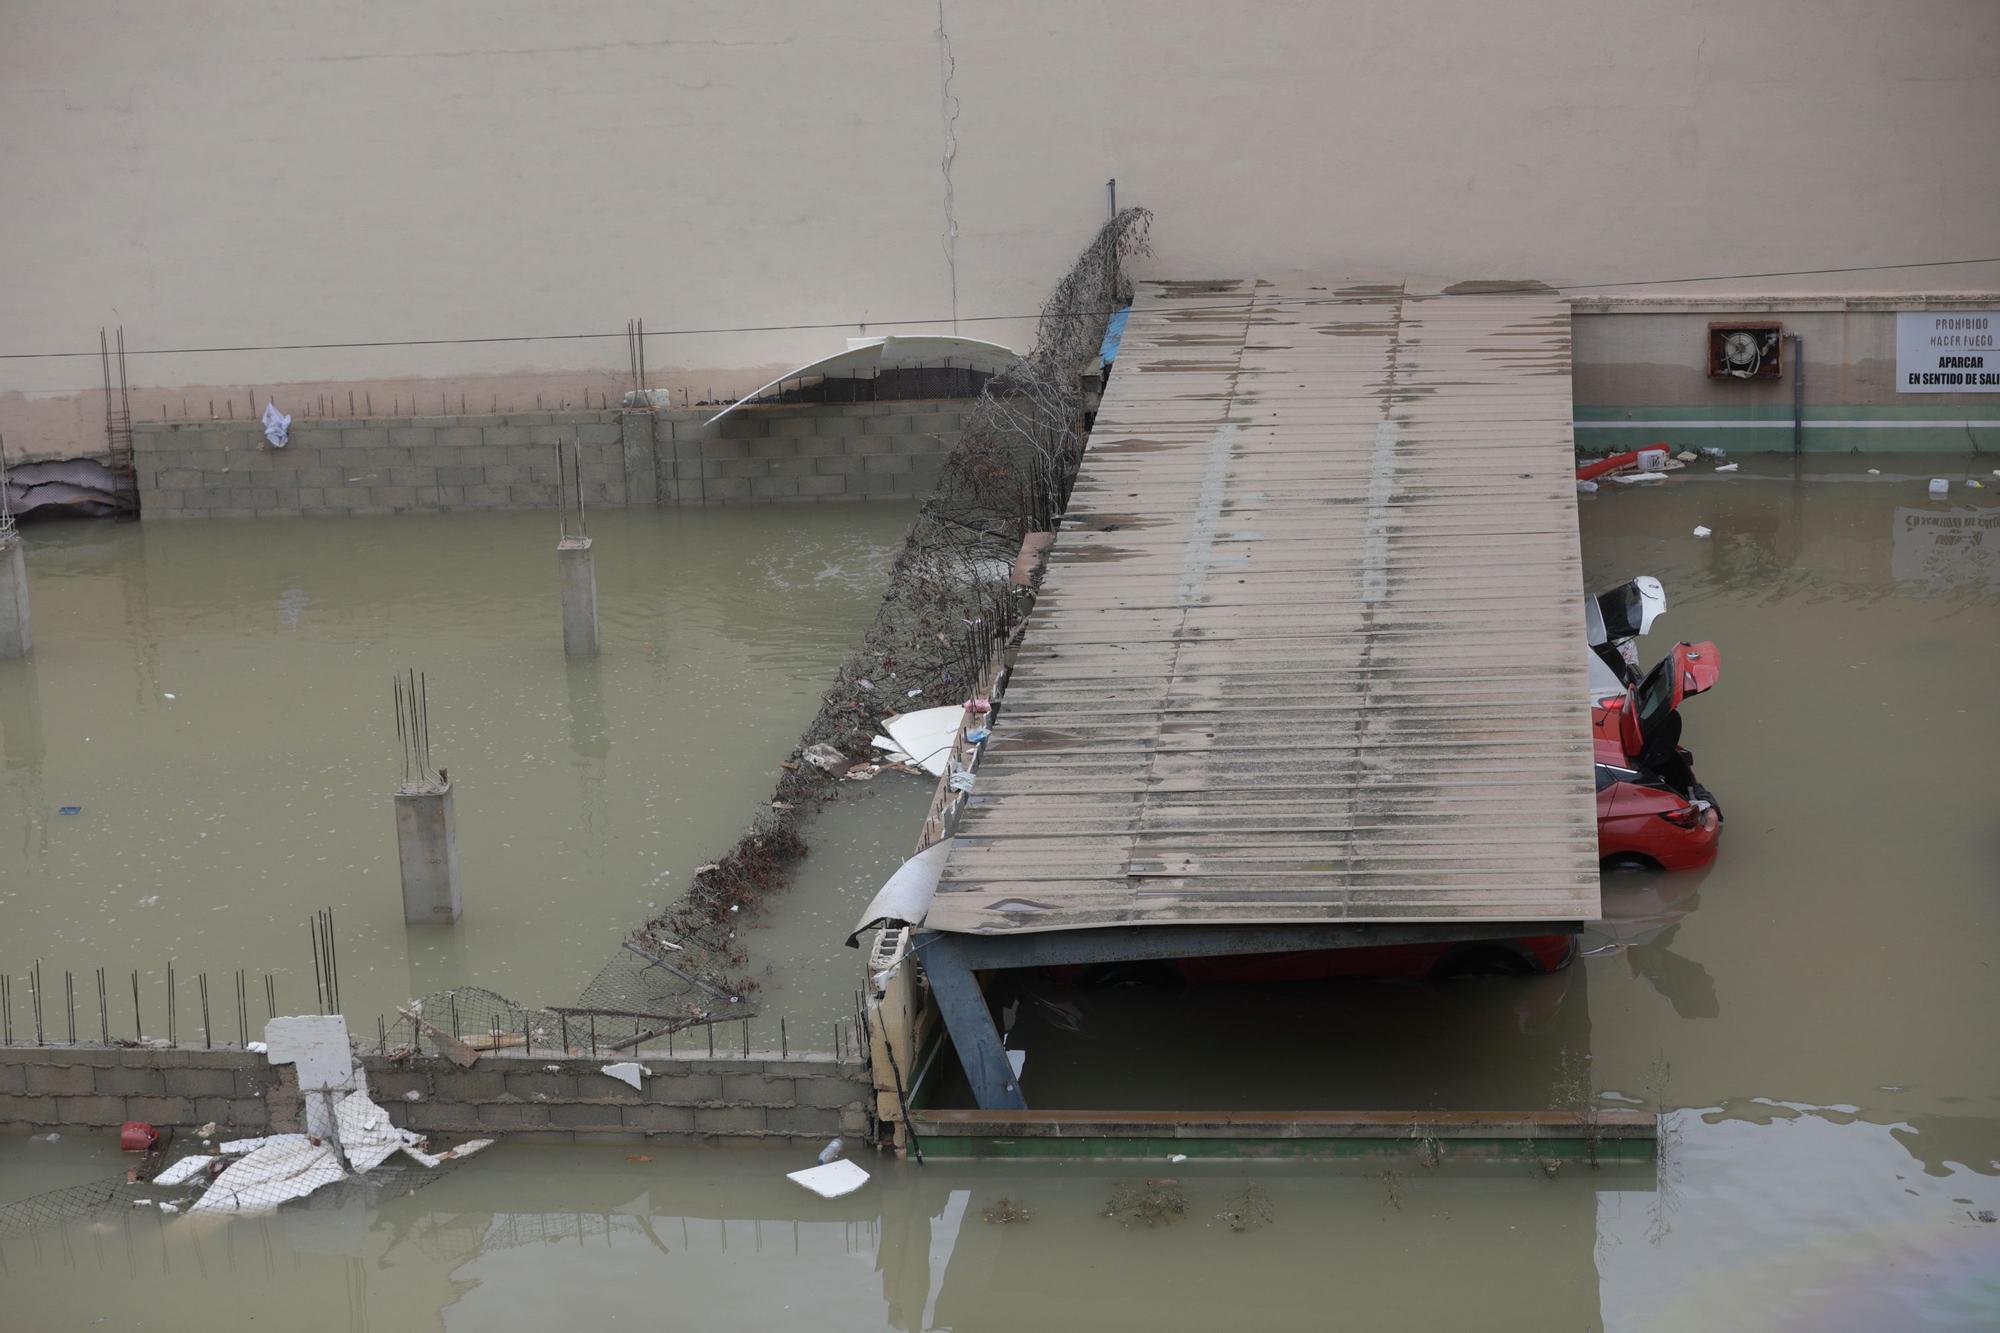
(214, 699)
(1818, 1010)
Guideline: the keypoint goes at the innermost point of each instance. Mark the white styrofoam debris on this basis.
(316, 1044)
(170, 1208)
(627, 1071)
(183, 1171)
(1700, 531)
(234, 1146)
(257, 1047)
(1016, 1060)
(924, 737)
(287, 1166)
(366, 1135)
(1940, 486)
(413, 1096)
(1176, 1157)
(1728, 467)
(1634, 478)
(831, 1180)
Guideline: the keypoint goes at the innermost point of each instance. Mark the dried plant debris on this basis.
(1008, 1210)
(1149, 1203)
(1249, 1210)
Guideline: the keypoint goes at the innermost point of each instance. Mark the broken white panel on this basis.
(926, 735)
(832, 1180)
(906, 896)
(181, 1172)
(1016, 1060)
(627, 1071)
(465, 1149)
(366, 1135)
(316, 1045)
(288, 1166)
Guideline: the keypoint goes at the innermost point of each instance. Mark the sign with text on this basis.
(1948, 351)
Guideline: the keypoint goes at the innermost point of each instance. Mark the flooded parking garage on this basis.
(1811, 1009)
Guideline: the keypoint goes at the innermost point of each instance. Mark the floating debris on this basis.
(1151, 1203)
(1248, 1211)
(627, 1071)
(832, 1180)
(1005, 1211)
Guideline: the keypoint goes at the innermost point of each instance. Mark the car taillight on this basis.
(1688, 816)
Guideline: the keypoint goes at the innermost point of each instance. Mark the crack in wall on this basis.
(948, 113)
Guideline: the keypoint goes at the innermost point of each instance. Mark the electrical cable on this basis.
(943, 319)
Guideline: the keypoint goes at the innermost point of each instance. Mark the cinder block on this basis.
(812, 1120)
(13, 1078)
(838, 465)
(503, 474)
(829, 1091)
(793, 427)
(160, 1110)
(869, 445)
(251, 1113)
(829, 426)
(408, 437)
(179, 478)
(587, 1115)
(822, 485)
(719, 449)
(601, 433)
(504, 435)
(470, 1085)
(756, 1086)
(885, 425)
(409, 476)
(527, 419)
(62, 1080)
(854, 1120)
(43, 1111)
(122, 1082)
(533, 496)
(512, 1115)
(365, 437)
(890, 463)
(727, 488)
(253, 497)
(451, 497)
(307, 438)
(929, 423)
(769, 487)
(655, 1119)
(684, 1089)
(460, 476)
(742, 426)
(487, 497)
(727, 1119)
(523, 1084)
(430, 1116)
(344, 497)
(786, 448)
(395, 497)
(312, 499)
(462, 437)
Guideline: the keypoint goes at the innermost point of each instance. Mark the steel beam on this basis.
(947, 964)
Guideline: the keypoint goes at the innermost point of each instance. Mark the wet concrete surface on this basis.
(1815, 1010)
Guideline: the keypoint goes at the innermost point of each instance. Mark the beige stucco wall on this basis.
(300, 172)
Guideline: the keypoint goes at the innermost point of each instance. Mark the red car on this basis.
(1651, 812)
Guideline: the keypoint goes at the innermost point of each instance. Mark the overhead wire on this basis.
(941, 319)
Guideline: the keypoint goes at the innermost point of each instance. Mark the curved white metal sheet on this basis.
(895, 352)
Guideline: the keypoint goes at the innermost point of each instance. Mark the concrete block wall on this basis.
(802, 454)
(763, 1097)
(382, 465)
(101, 1087)
(807, 453)
(798, 1099)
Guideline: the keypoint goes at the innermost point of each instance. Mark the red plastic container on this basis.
(137, 1136)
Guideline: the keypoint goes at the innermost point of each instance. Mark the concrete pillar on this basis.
(15, 638)
(577, 582)
(427, 849)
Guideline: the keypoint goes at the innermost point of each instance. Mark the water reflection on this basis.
(1942, 548)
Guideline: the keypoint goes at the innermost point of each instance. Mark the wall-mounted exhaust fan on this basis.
(1745, 351)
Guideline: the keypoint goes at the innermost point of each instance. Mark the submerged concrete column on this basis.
(576, 573)
(427, 849)
(15, 638)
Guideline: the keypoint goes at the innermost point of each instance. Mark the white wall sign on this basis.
(1948, 351)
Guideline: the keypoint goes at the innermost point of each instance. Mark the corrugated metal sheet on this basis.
(1310, 646)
